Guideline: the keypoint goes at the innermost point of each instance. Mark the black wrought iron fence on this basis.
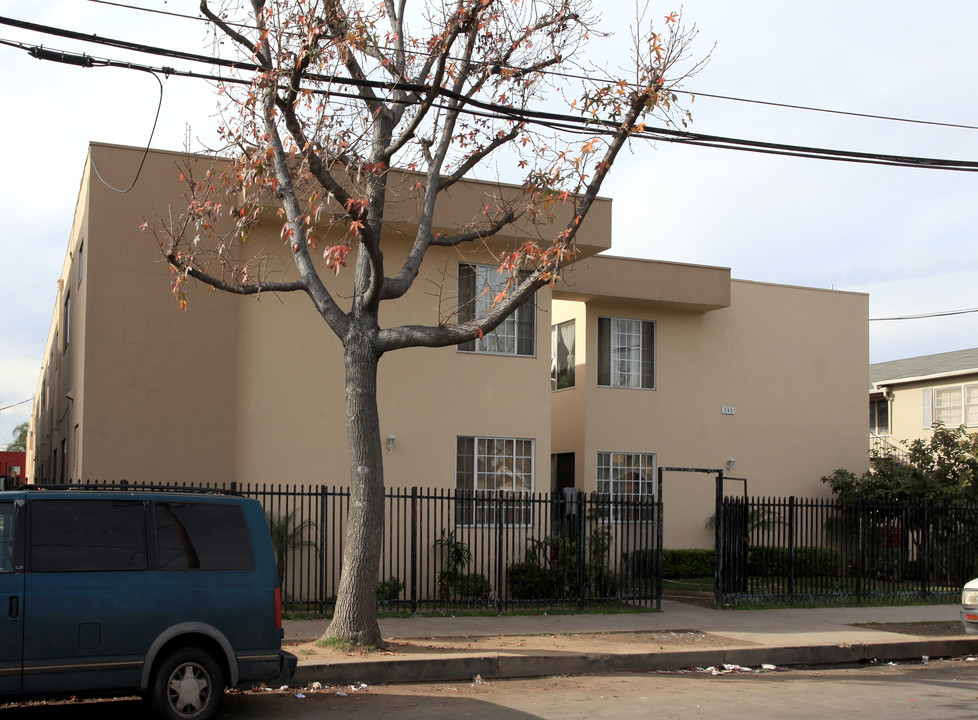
(447, 549)
(795, 550)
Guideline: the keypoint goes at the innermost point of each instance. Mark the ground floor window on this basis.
(493, 480)
(627, 482)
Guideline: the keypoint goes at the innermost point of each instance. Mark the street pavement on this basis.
(781, 637)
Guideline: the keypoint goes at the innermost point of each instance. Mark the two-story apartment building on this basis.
(680, 366)
(623, 366)
(907, 397)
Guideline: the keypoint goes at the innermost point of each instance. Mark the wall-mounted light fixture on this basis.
(730, 464)
(391, 440)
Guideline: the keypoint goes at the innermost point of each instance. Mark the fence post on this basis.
(323, 563)
(925, 551)
(659, 560)
(791, 547)
(859, 550)
(414, 550)
(718, 589)
(500, 507)
(581, 545)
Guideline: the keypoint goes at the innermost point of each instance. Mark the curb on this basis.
(501, 667)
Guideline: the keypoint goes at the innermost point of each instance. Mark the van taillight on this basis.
(278, 608)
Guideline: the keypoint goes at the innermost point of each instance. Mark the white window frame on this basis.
(476, 300)
(874, 424)
(614, 479)
(951, 405)
(478, 501)
(66, 324)
(559, 334)
(626, 366)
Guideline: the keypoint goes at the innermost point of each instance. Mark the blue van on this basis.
(172, 595)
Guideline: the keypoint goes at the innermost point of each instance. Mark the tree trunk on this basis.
(355, 615)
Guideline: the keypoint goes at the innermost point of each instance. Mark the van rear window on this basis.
(202, 536)
(6, 537)
(87, 536)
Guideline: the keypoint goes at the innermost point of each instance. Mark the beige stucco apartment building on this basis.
(673, 365)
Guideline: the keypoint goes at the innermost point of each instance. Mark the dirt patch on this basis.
(944, 628)
(514, 645)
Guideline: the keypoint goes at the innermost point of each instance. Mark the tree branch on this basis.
(235, 35)
(442, 336)
(235, 288)
(462, 238)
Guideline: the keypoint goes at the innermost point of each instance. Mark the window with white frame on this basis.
(562, 355)
(626, 482)
(493, 480)
(951, 405)
(478, 286)
(626, 353)
(879, 415)
(66, 323)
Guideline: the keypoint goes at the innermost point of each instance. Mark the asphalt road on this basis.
(946, 689)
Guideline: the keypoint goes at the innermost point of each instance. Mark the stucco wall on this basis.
(790, 361)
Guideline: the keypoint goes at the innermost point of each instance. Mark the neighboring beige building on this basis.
(907, 397)
(251, 390)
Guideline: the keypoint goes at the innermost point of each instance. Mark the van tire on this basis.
(187, 685)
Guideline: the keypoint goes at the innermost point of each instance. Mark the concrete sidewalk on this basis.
(796, 636)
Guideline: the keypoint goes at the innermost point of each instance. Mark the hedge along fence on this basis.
(787, 550)
(676, 564)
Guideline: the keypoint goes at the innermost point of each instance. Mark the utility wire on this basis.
(22, 402)
(152, 132)
(87, 61)
(576, 76)
(923, 316)
(596, 126)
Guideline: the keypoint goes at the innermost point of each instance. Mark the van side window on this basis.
(202, 536)
(87, 536)
(6, 537)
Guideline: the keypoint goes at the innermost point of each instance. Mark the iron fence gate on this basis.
(794, 550)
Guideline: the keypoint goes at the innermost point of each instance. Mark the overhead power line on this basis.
(557, 73)
(922, 316)
(22, 402)
(552, 120)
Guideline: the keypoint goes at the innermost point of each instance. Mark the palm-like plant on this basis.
(457, 558)
(288, 535)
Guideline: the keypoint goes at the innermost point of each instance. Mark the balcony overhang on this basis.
(678, 286)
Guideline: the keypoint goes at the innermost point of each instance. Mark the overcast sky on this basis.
(905, 236)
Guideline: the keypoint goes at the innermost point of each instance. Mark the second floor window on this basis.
(879, 416)
(66, 323)
(562, 355)
(478, 286)
(626, 353)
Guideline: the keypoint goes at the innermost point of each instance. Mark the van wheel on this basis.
(188, 684)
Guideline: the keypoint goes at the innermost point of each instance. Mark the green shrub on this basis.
(389, 590)
(529, 581)
(676, 564)
(472, 585)
(638, 564)
(679, 564)
(602, 583)
(768, 561)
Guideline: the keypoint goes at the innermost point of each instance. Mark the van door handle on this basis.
(14, 606)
